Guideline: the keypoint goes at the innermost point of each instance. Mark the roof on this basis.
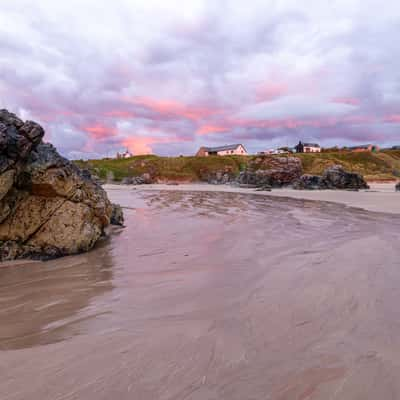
(223, 148)
(310, 144)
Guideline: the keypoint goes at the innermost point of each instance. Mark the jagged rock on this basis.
(334, 177)
(397, 187)
(48, 206)
(137, 180)
(308, 182)
(271, 171)
(117, 216)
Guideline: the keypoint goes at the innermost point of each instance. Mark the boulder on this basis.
(397, 187)
(48, 206)
(271, 171)
(334, 177)
(117, 216)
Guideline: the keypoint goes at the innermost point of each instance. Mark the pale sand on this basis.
(380, 198)
(211, 296)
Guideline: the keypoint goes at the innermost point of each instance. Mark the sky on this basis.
(166, 77)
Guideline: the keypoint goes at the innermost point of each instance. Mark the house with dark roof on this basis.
(231, 149)
(308, 148)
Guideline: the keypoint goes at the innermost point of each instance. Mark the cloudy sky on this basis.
(168, 76)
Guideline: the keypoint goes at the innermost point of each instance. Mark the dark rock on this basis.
(271, 171)
(308, 182)
(48, 206)
(334, 177)
(10, 119)
(117, 216)
(220, 177)
(32, 131)
(127, 181)
(397, 187)
(144, 179)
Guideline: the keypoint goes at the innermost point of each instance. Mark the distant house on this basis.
(282, 150)
(308, 148)
(232, 149)
(365, 147)
(125, 154)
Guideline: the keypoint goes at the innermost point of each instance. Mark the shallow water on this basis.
(211, 296)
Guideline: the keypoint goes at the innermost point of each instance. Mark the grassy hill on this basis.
(373, 166)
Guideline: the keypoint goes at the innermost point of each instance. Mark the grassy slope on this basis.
(373, 166)
(173, 168)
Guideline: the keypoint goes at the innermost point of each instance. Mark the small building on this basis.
(282, 150)
(232, 149)
(125, 154)
(308, 148)
(364, 147)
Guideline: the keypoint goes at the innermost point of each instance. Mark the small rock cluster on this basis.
(137, 180)
(48, 206)
(271, 172)
(334, 177)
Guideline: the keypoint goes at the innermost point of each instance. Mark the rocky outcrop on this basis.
(270, 171)
(137, 180)
(397, 187)
(334, 177)
(48, 206)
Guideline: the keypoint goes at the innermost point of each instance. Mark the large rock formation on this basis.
(271, 171)
(334, 177)
(48, 206)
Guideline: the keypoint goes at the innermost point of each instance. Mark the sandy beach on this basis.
(213, 295)
(381, 197)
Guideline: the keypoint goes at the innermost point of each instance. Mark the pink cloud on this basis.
(99, 132)
(270, 91)
(143, 144)
(174, 109)
(286, 123)
(120, 114)
(206, 129)
(353, 101)
(394, 118)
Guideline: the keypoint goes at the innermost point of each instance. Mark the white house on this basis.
(232, 149)
(125, 154)
(308, 148)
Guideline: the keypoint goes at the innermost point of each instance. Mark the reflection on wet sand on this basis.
(41, 303)
(211, 296)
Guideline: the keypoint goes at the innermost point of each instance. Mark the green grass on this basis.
(373, 166)
(172, 168)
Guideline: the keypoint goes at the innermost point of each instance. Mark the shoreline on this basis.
(381, 197)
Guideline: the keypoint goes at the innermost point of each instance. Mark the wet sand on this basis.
(211, 296)
(381, 197)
